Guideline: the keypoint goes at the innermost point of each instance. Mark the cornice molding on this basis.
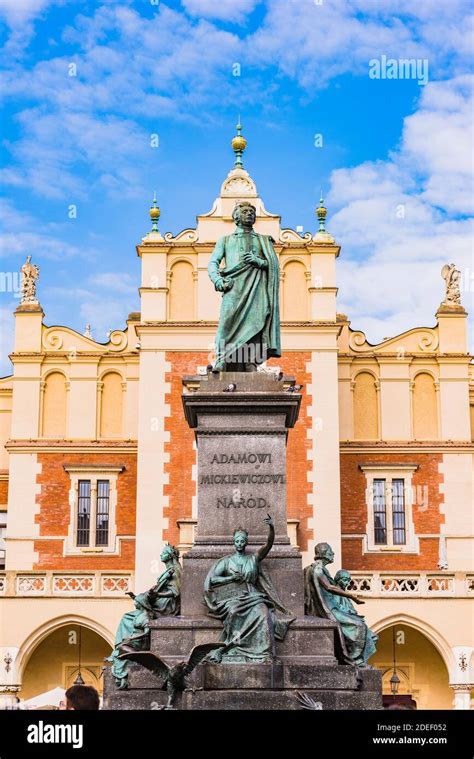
(408, 446)
(71, 446)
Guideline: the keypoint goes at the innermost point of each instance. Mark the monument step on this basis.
(244, 700)
(276, 676)
(309, 639)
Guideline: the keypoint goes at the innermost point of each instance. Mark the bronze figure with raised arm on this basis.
(238, 591)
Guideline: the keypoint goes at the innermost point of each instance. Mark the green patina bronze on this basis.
(172, 677)
(329, 598)
(163, 599)
(239, 592)
(249, 324)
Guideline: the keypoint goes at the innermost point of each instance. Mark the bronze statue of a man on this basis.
(249, 325)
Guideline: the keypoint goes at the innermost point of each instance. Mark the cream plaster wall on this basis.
(22, 510)
(26, 400)
(346, 406)
(6, 397)
(151, 477)
(28, 330)
(458, 510)
(395, 399)
(82, 395)
(454, 400)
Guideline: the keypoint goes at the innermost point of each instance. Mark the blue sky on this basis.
(395, 163)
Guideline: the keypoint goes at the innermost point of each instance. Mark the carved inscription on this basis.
(251, 475)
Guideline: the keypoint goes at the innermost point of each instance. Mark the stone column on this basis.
(10, 685)
(8, 696)
(462, 678)
(462, 696)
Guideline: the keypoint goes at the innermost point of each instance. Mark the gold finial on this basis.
(321, 213)
(239, 143)
(154, 215)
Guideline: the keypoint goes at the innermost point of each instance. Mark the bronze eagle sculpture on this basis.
(173, 676)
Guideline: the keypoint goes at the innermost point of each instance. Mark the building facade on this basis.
(98, 465)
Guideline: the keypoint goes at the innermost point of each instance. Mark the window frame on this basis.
(94, 474)
(390, 474)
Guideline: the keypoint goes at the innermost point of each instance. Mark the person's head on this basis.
(342, 578)
(169, 553)
(244, 214)
(324, 552)
(241, 538)
(82, 698)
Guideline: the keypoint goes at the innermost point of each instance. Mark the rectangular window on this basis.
(398, 512)
(84, 513)
(389, 497)
(102, 513)
(380, 512)
(93, 505)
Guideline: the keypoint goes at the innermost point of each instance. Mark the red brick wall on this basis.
(54, 511)
(182, 488)
(297, 463)
(182, 456)
(354, 511)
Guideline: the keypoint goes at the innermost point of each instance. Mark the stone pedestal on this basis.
(241, 423)
(241, 471)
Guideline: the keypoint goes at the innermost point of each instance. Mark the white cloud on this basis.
(20, 17)
(400, 220)
(118, 282)
(92, 123)
(86, 131)
(224, 10)
(314, 42)
(54, 145)
(18, 240)
(16, 12)
(102, 300)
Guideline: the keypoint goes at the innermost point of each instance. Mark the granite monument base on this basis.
(304, 663)
(254, 687)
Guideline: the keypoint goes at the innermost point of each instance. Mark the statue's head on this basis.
(169, 552)
(324, 551)
(241, 539)
(342, 578)
(244, 213)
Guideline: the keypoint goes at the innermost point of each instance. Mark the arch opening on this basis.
(420, 666)
(52, 659)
